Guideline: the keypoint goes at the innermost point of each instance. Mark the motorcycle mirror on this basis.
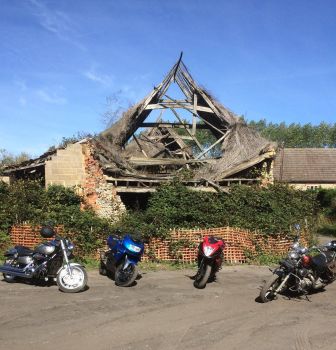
(297, 227)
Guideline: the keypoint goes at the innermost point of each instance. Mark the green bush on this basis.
(29, 202)
(327, 201)
(272, 210)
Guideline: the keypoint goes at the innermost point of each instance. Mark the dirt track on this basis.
(165, 311)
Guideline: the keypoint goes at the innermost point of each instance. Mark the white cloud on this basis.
(56, 22)
(50, 98)
(100, 78)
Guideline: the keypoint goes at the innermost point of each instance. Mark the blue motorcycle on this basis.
(120, 261)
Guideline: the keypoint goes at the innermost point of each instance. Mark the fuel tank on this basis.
(45, 248)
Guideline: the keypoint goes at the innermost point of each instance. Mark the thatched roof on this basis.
(135, 148)
(242, 147)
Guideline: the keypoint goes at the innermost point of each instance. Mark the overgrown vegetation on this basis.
(28, 201)
(271, 210)
(327, 200)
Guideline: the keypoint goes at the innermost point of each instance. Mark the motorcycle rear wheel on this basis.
(267, 291)
(125, 278)
(202, 276)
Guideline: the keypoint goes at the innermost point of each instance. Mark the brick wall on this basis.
(28, 235)
(100, 194)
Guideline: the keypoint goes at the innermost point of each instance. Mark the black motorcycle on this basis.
(302, 271)
(49, 261)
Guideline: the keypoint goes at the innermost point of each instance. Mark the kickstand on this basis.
(307, 298)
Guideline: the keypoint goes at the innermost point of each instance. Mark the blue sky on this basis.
(60, 60)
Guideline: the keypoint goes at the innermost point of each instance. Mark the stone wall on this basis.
(66, 167)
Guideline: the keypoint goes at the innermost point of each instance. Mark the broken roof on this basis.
(241, 146)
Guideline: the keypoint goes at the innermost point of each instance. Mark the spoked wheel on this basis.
(74, 282)
(202, 275)
(267, 292)
(126, 277)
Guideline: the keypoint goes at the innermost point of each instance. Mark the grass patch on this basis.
(165, 266)
(265, 259)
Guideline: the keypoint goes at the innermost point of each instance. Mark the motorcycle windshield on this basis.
(133, 247)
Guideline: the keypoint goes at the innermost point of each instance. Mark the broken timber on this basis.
(160, 150)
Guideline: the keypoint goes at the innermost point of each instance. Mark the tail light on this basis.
(306, 260)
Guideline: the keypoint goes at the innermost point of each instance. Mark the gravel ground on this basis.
(165, 311)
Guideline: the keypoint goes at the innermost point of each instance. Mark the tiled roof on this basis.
(305, 165)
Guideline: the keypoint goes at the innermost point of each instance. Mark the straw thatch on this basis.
(242, 147)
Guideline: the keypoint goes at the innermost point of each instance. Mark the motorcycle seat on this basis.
(23, 251)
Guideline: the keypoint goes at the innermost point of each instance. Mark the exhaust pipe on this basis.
(15, 271)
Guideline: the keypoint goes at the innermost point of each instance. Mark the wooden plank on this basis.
(246, 164)
(194, 137)
(163, 161)
(165, 105)
(171, 125)
(193, 130)
(196, 115)
(211, 147)
(138, 143)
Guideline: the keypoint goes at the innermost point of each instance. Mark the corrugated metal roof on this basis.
(305, 165)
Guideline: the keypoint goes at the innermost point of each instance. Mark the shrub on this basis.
(271, 210)
(28, 201)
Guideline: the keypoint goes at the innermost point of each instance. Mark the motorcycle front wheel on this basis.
(126, 277)
(9, 278)
(267, 291)
(202, 275)
(74, 282)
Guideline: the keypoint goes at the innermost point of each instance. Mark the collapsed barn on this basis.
(178, 130)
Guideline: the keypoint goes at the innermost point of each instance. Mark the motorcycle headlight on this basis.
(208, 251)
(134, 248)
(293, 255)
(70, 246)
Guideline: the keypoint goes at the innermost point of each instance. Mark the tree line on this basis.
(295, 135)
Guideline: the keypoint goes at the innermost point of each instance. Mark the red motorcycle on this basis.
(209, 259)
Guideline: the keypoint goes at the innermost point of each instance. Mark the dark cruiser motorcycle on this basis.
(302, 272)
(209, 259)
(48, 261)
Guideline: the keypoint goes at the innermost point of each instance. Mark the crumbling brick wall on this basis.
(98, 193)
